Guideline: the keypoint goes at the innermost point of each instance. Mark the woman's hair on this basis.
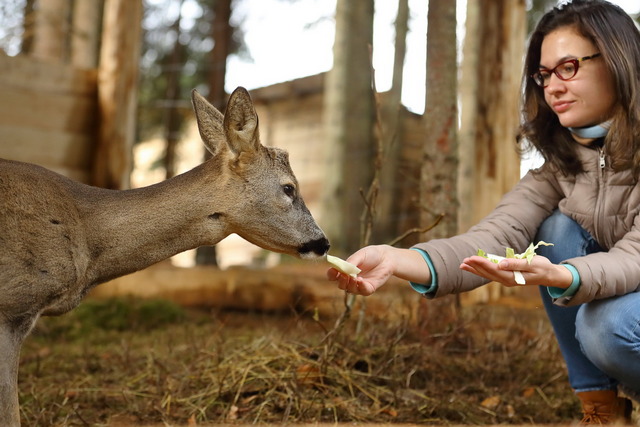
(617, 38)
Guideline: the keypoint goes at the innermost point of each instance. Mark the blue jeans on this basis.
(599, 340)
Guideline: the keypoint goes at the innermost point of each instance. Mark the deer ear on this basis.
(210, 122)
(241, 122)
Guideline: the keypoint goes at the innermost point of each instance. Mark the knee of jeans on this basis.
(596, 331)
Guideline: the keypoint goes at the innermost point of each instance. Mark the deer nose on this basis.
(318, 247)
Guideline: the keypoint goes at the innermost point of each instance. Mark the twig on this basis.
(415, 230)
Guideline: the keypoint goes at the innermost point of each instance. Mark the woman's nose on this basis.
(556, 84)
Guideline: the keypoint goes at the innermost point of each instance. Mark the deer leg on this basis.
(12, 334)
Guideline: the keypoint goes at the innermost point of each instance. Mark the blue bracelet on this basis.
(572, 289)
(433, 287)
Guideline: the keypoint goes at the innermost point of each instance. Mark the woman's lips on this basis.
(561, 106)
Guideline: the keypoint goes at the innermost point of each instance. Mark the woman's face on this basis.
(588, 98)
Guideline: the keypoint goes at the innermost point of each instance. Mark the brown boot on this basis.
(604, 407)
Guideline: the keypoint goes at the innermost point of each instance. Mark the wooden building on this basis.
(48, 115)
(68, 102)
(291, 117)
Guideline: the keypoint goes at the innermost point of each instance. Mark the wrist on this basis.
(417, 266)
(564, 277)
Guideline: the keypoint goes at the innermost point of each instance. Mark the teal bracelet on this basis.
(433, 287)
(572, 289)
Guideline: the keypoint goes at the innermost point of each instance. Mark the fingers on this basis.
(350, 284)
(354, 285)
(502, 272)
(333, 274)
(492, 275)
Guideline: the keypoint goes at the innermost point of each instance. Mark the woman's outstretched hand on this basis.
(377, 264)
(539, 272)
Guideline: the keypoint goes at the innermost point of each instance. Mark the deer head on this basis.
(263, 202)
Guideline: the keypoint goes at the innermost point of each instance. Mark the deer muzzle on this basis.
(314, 248)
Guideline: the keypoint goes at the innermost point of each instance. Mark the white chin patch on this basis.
(309, 255)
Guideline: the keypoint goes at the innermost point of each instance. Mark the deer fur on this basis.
(60, 238)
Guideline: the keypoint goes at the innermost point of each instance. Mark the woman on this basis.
(581, 111)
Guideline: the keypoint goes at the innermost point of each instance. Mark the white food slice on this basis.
(519, 278)
(343, 266)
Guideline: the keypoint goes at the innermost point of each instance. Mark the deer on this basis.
(60, 238)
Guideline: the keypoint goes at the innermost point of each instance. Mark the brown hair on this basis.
(617, 38)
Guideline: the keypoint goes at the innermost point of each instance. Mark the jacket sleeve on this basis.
(513, 223)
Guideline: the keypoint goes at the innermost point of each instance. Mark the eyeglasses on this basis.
(565, 71)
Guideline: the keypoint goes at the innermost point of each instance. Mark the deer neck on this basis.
(132, 229)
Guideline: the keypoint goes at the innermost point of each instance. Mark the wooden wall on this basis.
(48, 114)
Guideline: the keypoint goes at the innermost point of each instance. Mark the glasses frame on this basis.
(537, 77)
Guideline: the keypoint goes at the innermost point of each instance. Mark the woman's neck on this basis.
(588, 134)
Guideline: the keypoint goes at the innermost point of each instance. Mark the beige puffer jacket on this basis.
(603, 202)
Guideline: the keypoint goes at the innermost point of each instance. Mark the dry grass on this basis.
(143, 362)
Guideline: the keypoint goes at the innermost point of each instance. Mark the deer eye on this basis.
(289, 190)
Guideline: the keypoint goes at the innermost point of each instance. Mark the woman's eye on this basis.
(289, 190)
(568, 68)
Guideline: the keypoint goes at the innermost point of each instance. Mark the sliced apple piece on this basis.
(343, 266)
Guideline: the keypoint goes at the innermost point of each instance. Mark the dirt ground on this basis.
(396, 359)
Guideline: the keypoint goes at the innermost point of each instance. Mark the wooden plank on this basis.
(45, 148)
(43, 76)
(68, 112)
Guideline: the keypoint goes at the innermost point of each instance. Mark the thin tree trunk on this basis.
(221, 33)
(29, 27)
(392, 135)
(117, 92)
(440, 154)
(172, 95)
(85, 37)
(468, 116)
(51, 30)
(349, 115)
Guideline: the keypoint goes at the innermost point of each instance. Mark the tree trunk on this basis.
(392, 130)
(51, 30)
(349, 115)
(29, 27)
(490, 165)
(172, 121)
(440, 155)
(221, 33)
(85, 37)
(117, 92)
